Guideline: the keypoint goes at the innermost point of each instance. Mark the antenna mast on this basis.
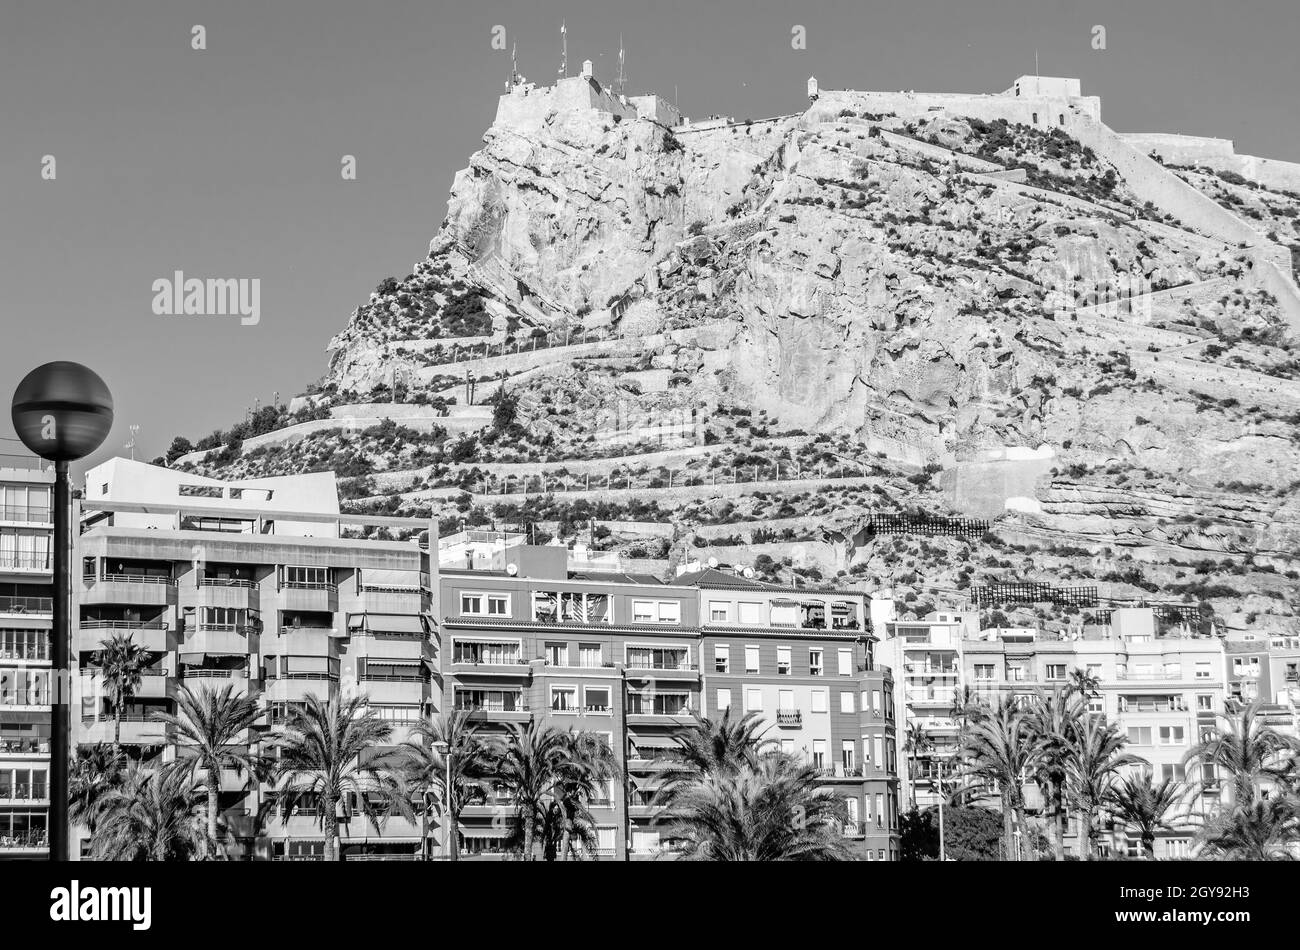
(621, 77)
(564, 51)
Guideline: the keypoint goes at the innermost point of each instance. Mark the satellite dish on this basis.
(749, 572)
(713, 562)
(512, 569)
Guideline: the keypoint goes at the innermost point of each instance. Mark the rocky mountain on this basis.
(744, 339)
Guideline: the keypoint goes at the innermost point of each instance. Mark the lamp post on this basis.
(62, 412)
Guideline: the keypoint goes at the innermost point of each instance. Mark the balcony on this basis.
(393, 601)
(221, 639)
(840, 771)
(309, 595)
(26, 605)
(24, 748)
(665, 671)
(789, 718)
(236, 593)
(658, 715)
(307, 641)
(29, 843)
(25, 564)
(153, 685)
(496, 711)
(296, 687)
(196, 678)
(150, 634)
(396, 690)
(136, 730)
(510, 667)
(27, 514)
(144, 590)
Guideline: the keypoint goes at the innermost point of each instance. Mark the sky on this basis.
(225, 162)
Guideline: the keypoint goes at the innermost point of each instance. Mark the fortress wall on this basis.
(1267, 275)
(687, 493)
(987, 107)
(1150, 181)
(1128, 335)
(940, 154)
(531, 359)
(1218, 155)
(816, 554)
(1220, 382)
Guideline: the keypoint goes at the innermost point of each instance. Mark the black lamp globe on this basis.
(62, 411)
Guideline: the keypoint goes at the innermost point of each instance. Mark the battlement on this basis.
(527, 105)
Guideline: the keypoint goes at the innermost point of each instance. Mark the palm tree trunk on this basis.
(1058, 824)
(1149, 845)
(117, 728)
(1086, 819)
(214, 779)
(1008, 828)
(565, 835)
(528, 837)
(424, 832)
(454, 832)
(331, 825)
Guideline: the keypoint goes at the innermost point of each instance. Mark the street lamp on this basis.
(62, 411)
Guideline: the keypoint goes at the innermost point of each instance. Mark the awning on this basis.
(485, 831)
(192, 659)
(401, 580)
(393, 623)
(356, 621)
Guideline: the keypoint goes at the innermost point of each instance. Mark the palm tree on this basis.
(1145, 806)
(151, 816)
(718, 746)
(121, 663)
(1052, 722)
(774, 810)
(424, 770)
(996, 748)
(321, 747)
(96, 771)
(1248, 750)
(1096, 757)
(208, 726)
(1260, 829)
(1084, 683)
(529, 763)
(585, 772)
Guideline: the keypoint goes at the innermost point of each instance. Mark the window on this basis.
(782, 661)
(1205, 701)
(984, 671)
(751, 659)
(1056, 671)
(819, 753)
(724, 699)
(846, 701)
(753, 700)
(787, 746)
(847, 760)
(878, 751)
(1176, 848)
(1094, 670)
(605, 840)
(557, 654)
(819, 700)
(1173, 772)
(785, 699)
(875, 699)
(564, 699)
(1202, 671)
(751, 615)
(643, 611)
(670, 611)
(590, 655)
(1171, 735)
(595, 699)
(846, 662)
(719, 611)
(1096, 705)
(1139, 735)
(498, 605)
(1173, 670)
(485, 605)
(851, 809)
(722, 658)
(815, 662)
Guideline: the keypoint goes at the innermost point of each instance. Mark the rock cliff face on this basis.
(958, 298)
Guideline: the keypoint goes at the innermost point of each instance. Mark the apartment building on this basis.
(804, 658)
(926, 657)
(1267, 668)
(1162, 683)
(26, 619)
(256, 585)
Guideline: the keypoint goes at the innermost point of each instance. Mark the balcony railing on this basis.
(490, 661)
(289, 628)
(25, 842)
(132, 579)
(308, 675)
(35, 514)
(26, 605)
(210, 674)
(241, 628)
(24, 747)
(491, 707)
(789, 717)
(123, 625)
(309, 585)
(650, 666)
(25, 562)
(227, 582)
